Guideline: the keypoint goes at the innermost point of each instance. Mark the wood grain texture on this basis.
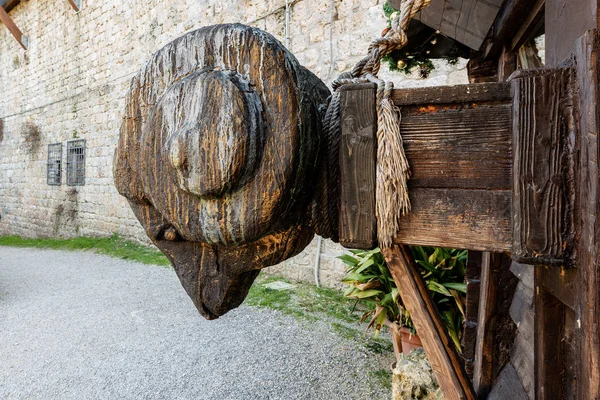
(358, 154)
(587, 54)
(476, 93)
(542, 124)
(445, 360)
(458, 218)
(220, 152)
(464, 147)
(482, 376)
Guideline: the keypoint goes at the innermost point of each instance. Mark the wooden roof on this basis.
(466, 21)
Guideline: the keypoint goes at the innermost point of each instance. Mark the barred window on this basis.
(53, 173)
(76, 162)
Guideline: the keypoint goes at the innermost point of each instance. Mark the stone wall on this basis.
(72, 81)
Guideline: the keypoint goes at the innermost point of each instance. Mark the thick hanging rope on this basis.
(393, 170)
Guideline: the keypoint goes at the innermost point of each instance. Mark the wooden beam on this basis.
(473, 282)
(458, 141)
(587, 221)
(549, 319)
(12, 27)
(445, 360)
(358, 147)
(9, 4)
(75, 4)
(458, 218)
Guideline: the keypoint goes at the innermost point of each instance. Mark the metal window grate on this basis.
(53, 173)
(76, 162)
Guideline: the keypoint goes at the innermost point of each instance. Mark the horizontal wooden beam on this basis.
(458, 141)
(12, 27)
(458, 218)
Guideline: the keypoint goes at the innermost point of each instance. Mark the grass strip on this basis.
(114, 246)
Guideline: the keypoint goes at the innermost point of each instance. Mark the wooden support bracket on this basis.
(12, 27)
(441, 353)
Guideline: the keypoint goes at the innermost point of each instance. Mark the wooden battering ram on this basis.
(224, 161)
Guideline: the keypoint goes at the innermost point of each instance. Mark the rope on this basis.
(393, 170)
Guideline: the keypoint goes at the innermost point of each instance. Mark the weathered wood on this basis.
(13, 28)
(549, 316)
(566, 22)
(482, 377)
(473, 282)
(495, 329)
(468, 94)
(458, 218)
(466, 146)
(358, 147)
(587, 54)
(467, 21)
(221, 155)
(541, 125)
(444, 358)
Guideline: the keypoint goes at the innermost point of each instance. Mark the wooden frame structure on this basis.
(507, 166)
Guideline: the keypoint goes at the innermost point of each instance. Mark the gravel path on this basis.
(77, 325)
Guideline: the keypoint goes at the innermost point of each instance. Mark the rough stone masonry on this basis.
(71, 84)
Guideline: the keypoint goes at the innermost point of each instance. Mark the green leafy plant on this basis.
(370, 281)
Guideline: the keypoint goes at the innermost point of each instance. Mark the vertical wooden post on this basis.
(542, 121)
(587, 219)
(358, 152)
(441, 353)
(549, 315)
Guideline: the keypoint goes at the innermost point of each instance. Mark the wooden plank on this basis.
(458, 147)
(12, 27)
(587, 54)
(549, 314)
(541, 127)
(566, 22)
(482, 377)
(475, 93)
(458, 218)
(467, 21)
(495, 329)
(445, 361)
(358, 147)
